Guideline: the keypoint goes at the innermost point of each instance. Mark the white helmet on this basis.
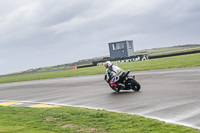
(107, 64)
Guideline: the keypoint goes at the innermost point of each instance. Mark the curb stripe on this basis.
(8, 103)
(44, 106)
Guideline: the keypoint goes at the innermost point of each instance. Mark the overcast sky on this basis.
(40, 33)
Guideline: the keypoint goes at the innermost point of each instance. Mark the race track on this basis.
(171, 95)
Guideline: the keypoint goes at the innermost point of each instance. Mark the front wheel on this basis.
(134, 85)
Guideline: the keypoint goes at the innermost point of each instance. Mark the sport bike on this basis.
(129, 82)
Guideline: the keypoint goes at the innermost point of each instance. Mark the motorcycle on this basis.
(129, 82)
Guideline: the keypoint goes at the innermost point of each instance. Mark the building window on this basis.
(117, 46)
(130, 45)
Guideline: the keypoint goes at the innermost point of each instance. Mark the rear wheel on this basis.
(134, 85)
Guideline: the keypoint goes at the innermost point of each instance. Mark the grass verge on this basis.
(74, 119)
(190, 60)
(169, 50)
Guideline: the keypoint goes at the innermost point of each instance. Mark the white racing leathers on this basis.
(113, 74)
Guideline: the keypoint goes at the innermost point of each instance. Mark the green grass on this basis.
(73, 120)
(182, 61)
(175, 52)
(190, 60)
(169, 50)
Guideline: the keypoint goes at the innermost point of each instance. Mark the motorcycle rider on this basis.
(113, 74)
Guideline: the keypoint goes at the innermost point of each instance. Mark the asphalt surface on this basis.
(171, 95)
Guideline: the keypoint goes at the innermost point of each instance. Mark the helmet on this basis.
(107, 64)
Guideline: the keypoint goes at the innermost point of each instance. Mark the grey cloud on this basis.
(38, 33)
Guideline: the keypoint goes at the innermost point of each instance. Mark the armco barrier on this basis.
(85, 66)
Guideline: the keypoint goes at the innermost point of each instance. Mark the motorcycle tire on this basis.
(134, 85)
